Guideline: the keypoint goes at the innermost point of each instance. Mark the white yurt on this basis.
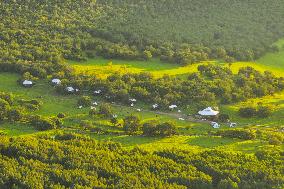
(27, 83)
(208, 112)
(56, 81)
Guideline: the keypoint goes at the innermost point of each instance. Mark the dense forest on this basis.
(59, 161)
(233, 24)
(50, 31)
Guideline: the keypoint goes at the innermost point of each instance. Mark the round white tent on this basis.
(27, 83)
(70, 89)
(208, 112)
(56, 81)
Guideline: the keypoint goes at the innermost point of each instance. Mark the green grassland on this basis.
(273, 62)
(103, 67)
(192, 134)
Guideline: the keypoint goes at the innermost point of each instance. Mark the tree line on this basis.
(209, 86)
(66, 160)
(38, 32)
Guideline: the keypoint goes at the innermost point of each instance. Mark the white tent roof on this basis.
(57, 81)
(155, 106)
(208, 112)
(27, 82)
(70, 89)
(172, 106)
(98, 92)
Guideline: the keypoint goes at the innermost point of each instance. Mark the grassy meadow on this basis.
(102, 68)
(272, 61)
(192, 134)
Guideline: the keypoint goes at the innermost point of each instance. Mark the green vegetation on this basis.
(132, 77)
(236, 25)
(46, 33)
(48, 162)
(274, 60)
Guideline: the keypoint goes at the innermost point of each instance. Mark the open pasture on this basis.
(193, 135)
(274, 62)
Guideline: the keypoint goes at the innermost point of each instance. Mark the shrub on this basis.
(227, 184)
(276, 138)
(97, 130)
(93, 112)
(84, 101)
(166, 129)
(6, 97)
(155, 128)
(274, 141)
(105, 110)
(32, 107)
(150, 128)
(131, 124)
(44, 123)
(114, 121)
(14, 115)
(86, 124)
(237, 133)
(4, 107)
(30, 104)
(61, 115)
(247, 112)
(264, 111)
(223, 117)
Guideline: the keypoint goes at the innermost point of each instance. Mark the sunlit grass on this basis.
(103, 67)
(274, 60)
(193, 135)
(276, 119)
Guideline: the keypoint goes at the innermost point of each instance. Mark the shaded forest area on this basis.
(175, 31)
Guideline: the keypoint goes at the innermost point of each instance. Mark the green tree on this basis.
(84, 101)
(131, 124)
(105, 110)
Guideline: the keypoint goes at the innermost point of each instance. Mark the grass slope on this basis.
(274, 60)
(101, 67)
(54, 104)
(193, 135)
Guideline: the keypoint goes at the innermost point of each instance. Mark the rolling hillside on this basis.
(102, 94)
